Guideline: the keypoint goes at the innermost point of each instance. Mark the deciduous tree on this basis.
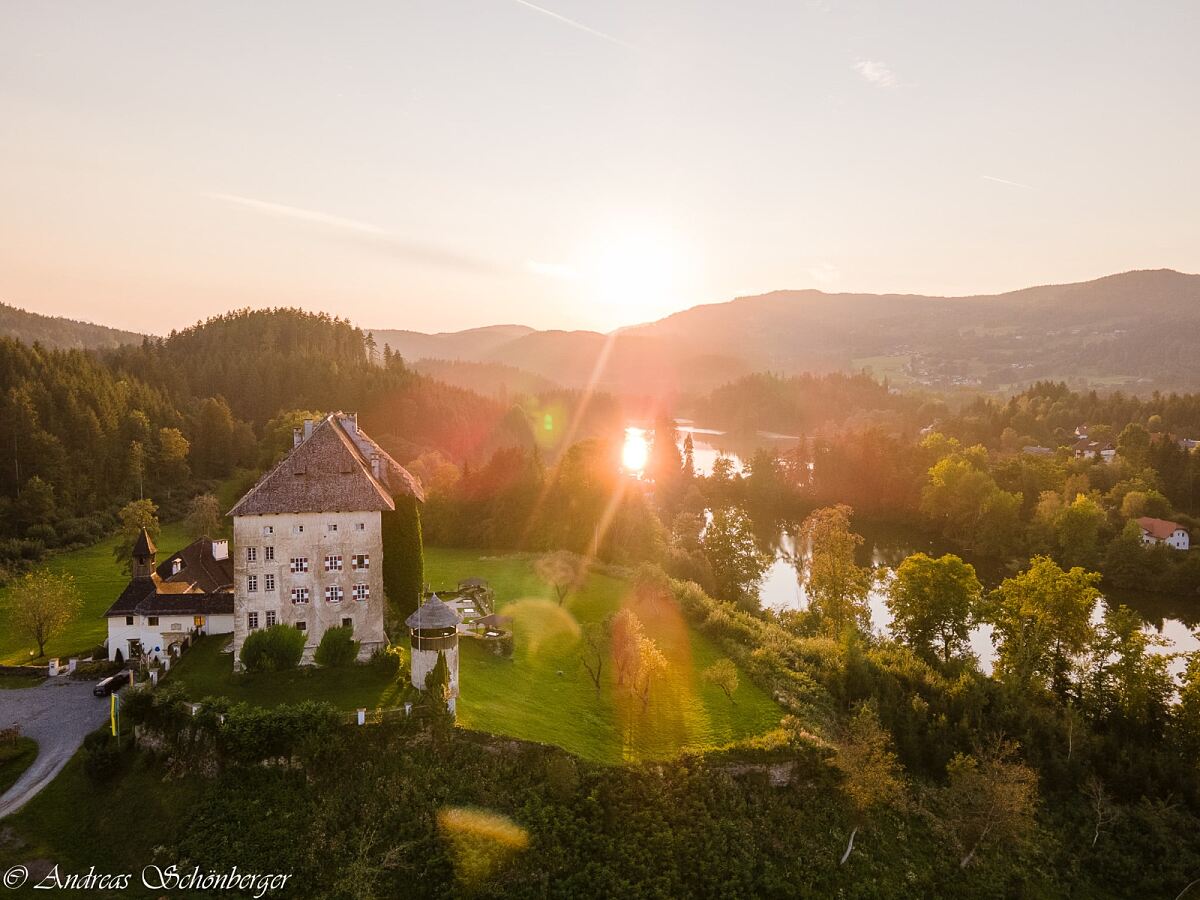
(42, 603)
(934, 603)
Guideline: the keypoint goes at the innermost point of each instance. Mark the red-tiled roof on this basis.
(1159, 528)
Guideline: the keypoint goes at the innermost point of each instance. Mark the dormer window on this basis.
(176, 566)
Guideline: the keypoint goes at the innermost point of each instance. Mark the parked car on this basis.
(106, 686)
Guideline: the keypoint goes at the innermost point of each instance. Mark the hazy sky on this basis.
(439, 164)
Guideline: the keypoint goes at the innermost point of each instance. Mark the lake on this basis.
(885, 547)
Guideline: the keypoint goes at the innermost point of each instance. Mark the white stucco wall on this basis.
(168, 630)
(314, 543)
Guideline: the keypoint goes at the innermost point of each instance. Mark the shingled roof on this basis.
(202, 586)
(330, 471)
(433, 614)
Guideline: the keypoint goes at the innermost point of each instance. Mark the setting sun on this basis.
(635, 452)
(636, 272)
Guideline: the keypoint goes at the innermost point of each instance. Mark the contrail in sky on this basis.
(1006, 181)
(295, 212)
(574, 24)
(370, 236)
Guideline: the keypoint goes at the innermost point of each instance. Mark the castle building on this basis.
(308, 537)
(190, 592)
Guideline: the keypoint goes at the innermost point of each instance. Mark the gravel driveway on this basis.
(57, 714)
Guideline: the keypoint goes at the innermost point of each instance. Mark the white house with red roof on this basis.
(1163, 531)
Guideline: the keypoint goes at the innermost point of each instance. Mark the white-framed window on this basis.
(269, 582)
(332, 526)
(299, 595)
(268, 530)
(302, 626)
(297, 529)
(270, 618)
(252, 621)
(361, 592)
(299, 565)
(251, 554)
(333, 593)
(333, 563)
(360, 562)
(360, 526)
(252, 583)
(269, 554)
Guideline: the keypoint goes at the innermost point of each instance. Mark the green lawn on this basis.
(527, 697)
(15, 757)
(99, 580)
(206, 671)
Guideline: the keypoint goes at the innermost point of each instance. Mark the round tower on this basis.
(434, 628)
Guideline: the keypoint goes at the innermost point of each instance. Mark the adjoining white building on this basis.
(308, 538)
(191, 591)
(1164, 531)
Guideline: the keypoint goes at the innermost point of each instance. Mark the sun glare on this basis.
(635, 273)
(636, 451)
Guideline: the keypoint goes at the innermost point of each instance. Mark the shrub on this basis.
(101, 756)
(387, 659)
(273, 649)
(337, 648)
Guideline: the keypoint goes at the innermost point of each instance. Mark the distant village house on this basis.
(1163, 531)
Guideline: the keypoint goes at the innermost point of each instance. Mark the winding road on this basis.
(58, 714)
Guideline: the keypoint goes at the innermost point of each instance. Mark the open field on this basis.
(544, 693)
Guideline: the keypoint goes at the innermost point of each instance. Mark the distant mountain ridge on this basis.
(61, 333)
(1137, 331)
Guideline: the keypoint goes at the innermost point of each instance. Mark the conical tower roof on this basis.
(432, 614)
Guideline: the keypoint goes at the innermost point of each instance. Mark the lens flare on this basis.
(636, 452)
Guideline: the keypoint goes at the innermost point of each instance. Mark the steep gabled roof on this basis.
(1159, 528)
(329, 471)
(202, 586)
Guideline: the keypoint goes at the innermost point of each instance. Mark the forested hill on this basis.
(60, 333)
(85, 432)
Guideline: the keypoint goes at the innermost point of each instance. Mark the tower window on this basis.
(268, 530)
(361, 592)
(333, 526)
(347, 622)
(333, 593)
(252, 621)
(269, 583)
(360, 562)
(252, 584)
(270, 618)
(333, 564)
(251, 554)
(299, 565)
(299, 595)
(360, 526)
(269, 554)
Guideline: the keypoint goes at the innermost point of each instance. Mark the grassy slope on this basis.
(99, 580)
(527, 697)
(15, 757)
